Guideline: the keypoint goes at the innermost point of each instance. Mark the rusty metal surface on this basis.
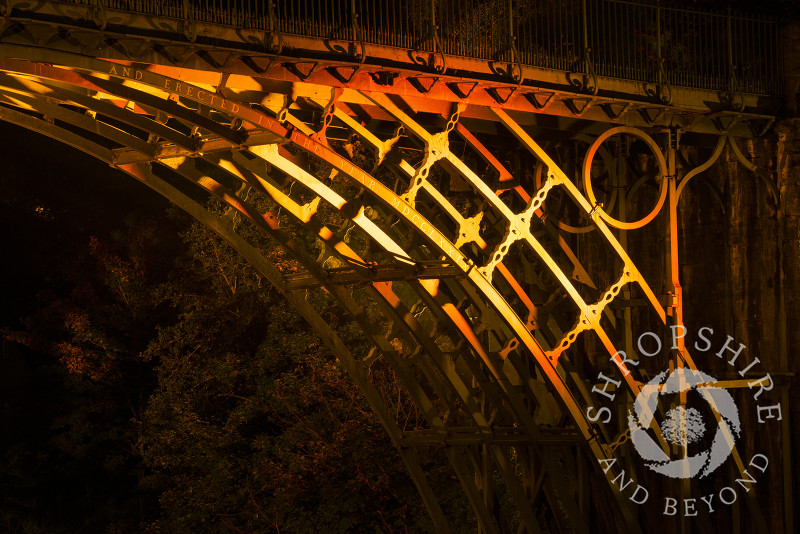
(451, 231)
(612, 97)
(634, 40)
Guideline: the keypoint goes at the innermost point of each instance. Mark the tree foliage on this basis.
(152, 381)
(253, 425)
(198, 399)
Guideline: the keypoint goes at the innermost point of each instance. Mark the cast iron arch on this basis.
(492, 380)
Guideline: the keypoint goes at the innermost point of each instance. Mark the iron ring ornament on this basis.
(607, 160)
(305, 142)
(662, 167)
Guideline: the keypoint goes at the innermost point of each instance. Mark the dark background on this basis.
(151, 381)
(107, 427)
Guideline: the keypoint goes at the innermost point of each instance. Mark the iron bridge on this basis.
(464, 179)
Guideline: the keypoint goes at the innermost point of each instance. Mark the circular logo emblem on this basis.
(682, 427)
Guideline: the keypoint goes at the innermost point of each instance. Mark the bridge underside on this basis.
(454, 217)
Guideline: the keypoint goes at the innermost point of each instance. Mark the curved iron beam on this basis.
(473, 305)
(704, 166)
(752, 167)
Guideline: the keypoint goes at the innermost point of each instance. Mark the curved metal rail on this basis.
(444, 258)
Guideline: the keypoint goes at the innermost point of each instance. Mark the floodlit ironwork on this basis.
(640, 41)
(423, 200)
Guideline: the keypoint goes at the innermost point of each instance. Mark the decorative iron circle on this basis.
(587, 179)
(606, 157)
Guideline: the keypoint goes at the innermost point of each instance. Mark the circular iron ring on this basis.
(587, 180)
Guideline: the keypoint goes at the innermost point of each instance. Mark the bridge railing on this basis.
(636, 40)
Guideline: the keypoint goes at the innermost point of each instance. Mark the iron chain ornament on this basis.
(622, 439)
(450, 214)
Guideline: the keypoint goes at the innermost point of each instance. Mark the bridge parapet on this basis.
(640, 41)
(606, 61)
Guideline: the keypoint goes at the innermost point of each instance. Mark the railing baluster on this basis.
(731, 67)
(710, 50)
(619, 46)
(659, 57)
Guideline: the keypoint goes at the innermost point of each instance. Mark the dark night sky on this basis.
(54, 198)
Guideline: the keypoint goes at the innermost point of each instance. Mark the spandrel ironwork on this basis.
(479, 244)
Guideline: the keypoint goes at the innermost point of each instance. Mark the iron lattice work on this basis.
(453, 244)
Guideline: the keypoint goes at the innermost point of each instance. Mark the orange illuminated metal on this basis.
(477, 326)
